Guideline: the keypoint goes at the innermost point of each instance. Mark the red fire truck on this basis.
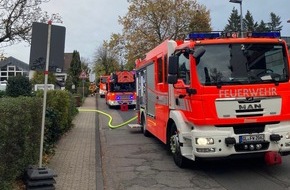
(102, 85)
(216, 95)
(121, 89)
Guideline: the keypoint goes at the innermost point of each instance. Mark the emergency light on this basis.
(197, 36)
(274, 34)
(212, 35)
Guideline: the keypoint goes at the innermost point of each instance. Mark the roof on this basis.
(15, 62)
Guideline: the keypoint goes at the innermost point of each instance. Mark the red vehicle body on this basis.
(102, 85)
(121, 89)
(216, 95)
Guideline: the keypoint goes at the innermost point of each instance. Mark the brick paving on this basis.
(75, 159)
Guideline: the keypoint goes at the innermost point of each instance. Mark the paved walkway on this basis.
(75, 159)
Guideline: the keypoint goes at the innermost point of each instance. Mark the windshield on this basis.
(226, 64)
(122, 87)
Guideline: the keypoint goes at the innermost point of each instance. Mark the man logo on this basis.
(250, 106)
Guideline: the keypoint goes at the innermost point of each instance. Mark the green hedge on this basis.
(20, 123)
(60, 111)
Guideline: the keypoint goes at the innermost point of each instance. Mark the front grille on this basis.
(249, 128)
(250, 113)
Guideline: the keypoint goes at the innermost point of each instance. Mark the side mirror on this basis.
(173, 65)
(172, 69)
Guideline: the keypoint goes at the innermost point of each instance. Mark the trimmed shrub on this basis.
(19, 136)
(18, 86)
(60, 111)
(20, 129)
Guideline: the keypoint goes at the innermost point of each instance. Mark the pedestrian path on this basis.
(74, 161)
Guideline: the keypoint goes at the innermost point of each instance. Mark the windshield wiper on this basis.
(219, 84)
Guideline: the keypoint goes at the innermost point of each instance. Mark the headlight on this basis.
(287, 135)
(204, 141)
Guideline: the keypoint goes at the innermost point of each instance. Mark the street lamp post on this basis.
(241, 17)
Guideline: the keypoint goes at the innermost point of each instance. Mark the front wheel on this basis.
(179, 160)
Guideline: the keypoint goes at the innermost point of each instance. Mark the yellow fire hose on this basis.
(110, 118)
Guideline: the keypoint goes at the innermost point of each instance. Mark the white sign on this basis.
(41, 87)
(2, 87)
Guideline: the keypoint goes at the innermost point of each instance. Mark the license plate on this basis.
(251, 138)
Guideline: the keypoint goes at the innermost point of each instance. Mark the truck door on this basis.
(150, 91)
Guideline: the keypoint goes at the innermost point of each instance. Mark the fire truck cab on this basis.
(216, 95)
(121, 89)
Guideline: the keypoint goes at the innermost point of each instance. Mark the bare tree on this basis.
(17, 17)
(106, 61)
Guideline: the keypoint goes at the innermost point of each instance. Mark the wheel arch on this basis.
(179, 119)
(168, 129)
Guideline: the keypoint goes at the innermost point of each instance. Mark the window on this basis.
(165, 68)
(18, 69)
(4, 68)
(227, 64)
(159, 70)
(183, 68)
(11, 68)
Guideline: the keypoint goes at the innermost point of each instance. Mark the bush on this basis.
(2, 93)
(19, 137)
(20, 127)
(60, 111)
(18, 86)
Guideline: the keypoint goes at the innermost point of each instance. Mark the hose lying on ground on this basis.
(110, 118)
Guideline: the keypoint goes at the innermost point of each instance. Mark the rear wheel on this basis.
(179, 160)
(143, 128)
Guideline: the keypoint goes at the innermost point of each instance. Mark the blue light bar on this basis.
(266, 34)
(197, 36)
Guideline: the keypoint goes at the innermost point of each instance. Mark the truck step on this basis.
(134, 126)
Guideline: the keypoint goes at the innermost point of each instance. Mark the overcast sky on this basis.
(88, 23)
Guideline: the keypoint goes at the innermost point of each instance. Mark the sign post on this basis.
(45, 93)
(41, 177)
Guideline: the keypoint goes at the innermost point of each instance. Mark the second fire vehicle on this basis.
(121, 89)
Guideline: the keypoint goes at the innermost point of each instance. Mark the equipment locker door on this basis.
(150, 90)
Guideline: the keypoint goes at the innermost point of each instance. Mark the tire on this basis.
(145, 132)
(179, 160)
